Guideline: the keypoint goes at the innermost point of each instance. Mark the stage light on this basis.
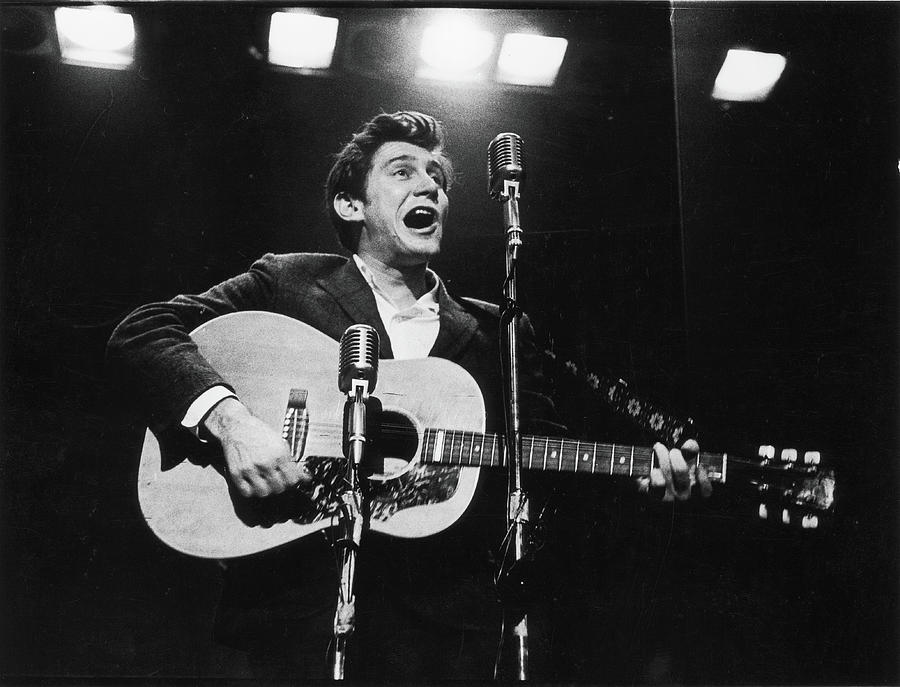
(301, 40)
(530, 59)
(747, 75)
(96, 36)
(455, 49)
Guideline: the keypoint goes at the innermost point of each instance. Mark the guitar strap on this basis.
(667, 427)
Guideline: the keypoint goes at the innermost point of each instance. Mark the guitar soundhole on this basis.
(396, 444)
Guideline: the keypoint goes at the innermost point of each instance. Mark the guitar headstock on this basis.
(793, 487)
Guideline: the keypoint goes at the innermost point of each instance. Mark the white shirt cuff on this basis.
(202, 405)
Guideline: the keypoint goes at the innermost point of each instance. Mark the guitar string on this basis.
(398, 430)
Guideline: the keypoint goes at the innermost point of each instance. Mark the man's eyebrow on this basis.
(405, 157)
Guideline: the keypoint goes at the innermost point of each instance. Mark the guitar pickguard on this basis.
(423, 485)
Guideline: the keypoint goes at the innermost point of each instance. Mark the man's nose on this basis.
(427, 186)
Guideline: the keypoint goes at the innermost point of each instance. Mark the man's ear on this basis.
(347, 208)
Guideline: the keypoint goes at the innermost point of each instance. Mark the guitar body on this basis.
(188, 502)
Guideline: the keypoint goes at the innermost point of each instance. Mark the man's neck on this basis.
(403, 285)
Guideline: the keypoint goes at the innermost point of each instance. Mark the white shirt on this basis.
(412, 332)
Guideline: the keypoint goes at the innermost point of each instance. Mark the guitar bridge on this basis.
(296, 422)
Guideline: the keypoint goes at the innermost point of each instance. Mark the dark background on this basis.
(736, 262)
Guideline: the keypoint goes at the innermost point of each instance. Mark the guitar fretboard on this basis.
(474, 449)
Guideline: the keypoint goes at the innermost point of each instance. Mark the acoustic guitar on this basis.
(428, 448)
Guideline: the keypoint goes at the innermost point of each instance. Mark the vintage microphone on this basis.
(357, 376)
(506, 170)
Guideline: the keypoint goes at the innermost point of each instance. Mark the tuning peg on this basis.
(786, 516)
(767, 452)
(812, 458)
(810, 522)
(789, 455)
(763, 512)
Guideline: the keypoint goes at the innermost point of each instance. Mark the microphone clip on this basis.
(510, 191)
(359, 390)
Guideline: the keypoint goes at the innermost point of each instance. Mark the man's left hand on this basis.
(679, 470)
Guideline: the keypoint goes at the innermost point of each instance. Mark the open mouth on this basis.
(420, 218)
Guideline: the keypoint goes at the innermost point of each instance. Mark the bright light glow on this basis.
(531, 60)
(455, 49)
(747, 75)
(302, 41)
(95, 36)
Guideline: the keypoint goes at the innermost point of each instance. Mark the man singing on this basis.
(427, 607)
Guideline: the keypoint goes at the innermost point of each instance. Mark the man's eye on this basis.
(402, 172)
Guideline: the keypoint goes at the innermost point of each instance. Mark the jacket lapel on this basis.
(457, 327)
(353, 295)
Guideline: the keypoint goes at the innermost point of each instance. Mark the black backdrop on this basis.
(739, 261)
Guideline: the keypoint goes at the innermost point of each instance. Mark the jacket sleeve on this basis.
(152, 359)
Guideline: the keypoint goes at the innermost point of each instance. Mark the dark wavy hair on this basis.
(353, 162)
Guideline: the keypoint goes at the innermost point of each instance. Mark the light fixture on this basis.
(301, 40)
(96, 36)
(455, 49)
(530, 59)
(748, 75)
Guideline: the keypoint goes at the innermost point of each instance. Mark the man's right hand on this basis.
(259, 461)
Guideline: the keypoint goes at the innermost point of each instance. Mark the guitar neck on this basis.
(474, 449)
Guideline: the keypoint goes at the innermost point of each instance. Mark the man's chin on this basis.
(425, 244)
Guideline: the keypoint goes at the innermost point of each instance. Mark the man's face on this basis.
(406, 205)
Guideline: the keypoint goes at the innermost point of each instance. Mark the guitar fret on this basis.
(594, 460)
(612, 457)
(562, 443)
(631, 464)
(440, 446)
(493, 448)
(577, 454)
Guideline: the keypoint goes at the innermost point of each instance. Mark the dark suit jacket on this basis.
(446, 576)
(151, 354)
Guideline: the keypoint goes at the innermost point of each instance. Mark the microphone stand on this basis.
(351, 521)
(517, 506)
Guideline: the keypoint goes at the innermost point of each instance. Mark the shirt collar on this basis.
(428, 300)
